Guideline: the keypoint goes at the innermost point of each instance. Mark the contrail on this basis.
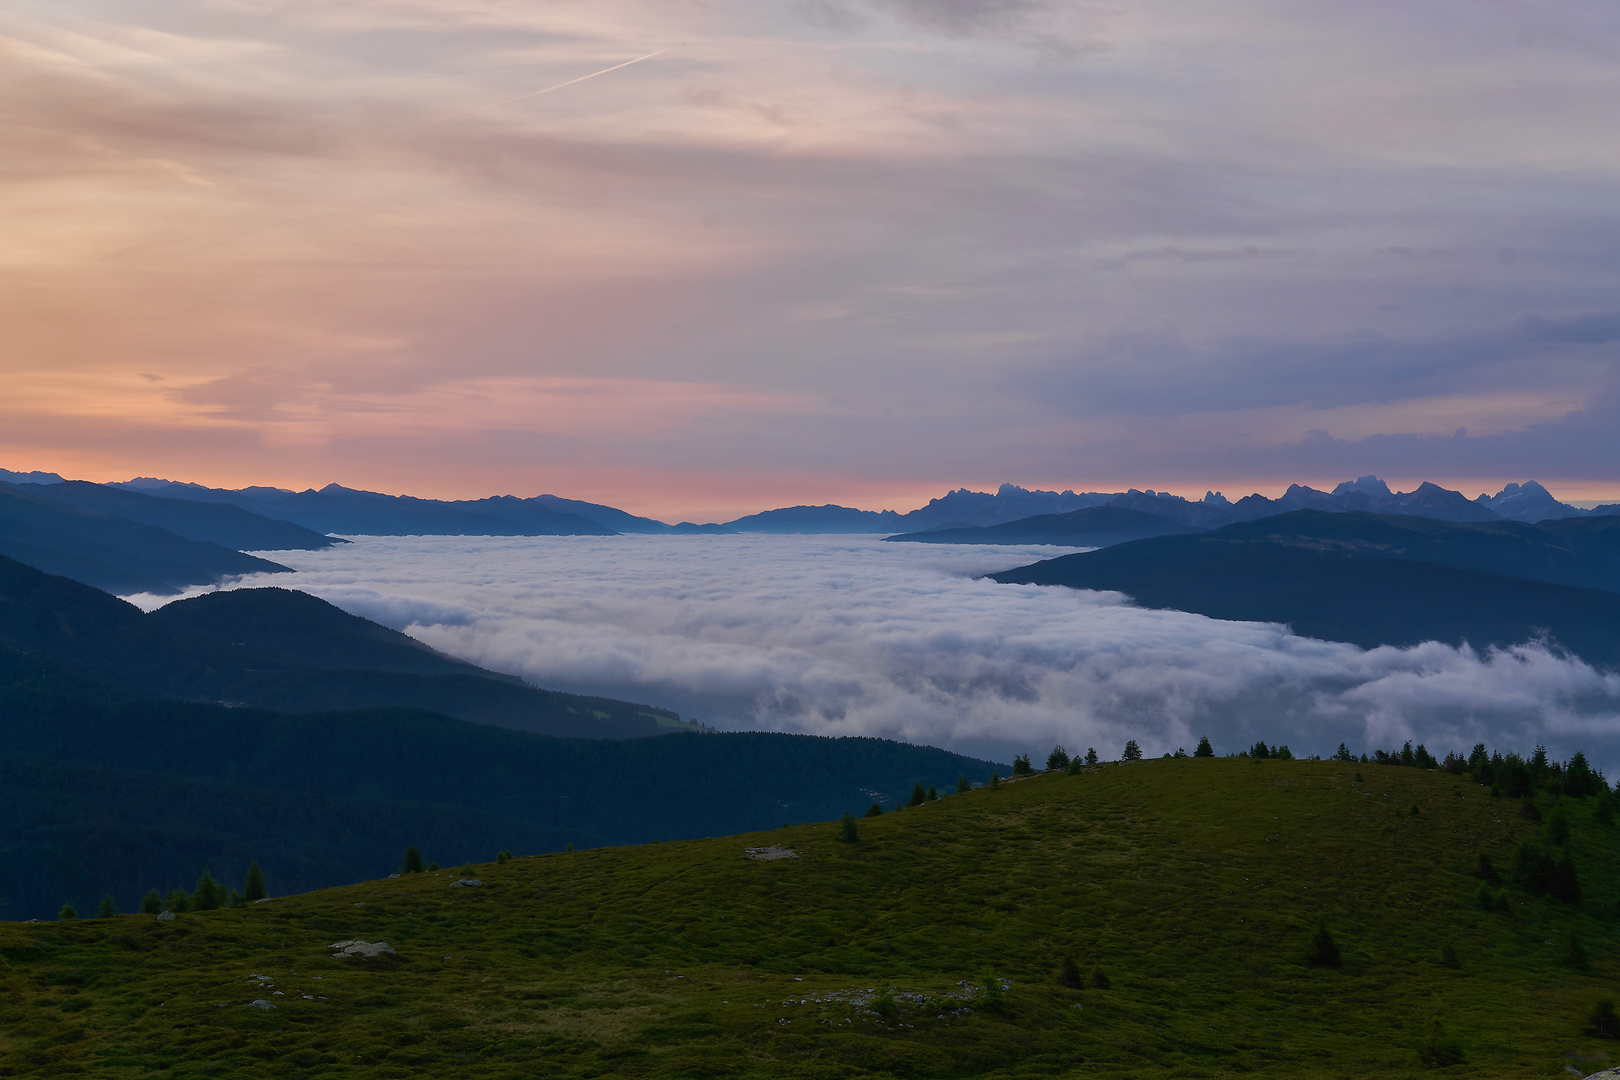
(559, 86)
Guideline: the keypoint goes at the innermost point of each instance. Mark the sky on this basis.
(851, 636)
(854, 251)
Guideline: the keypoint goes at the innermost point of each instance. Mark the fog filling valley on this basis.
(848, 635)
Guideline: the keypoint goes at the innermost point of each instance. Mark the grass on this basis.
(1195, 887)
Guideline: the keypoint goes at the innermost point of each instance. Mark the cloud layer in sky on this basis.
(852, 250)
(852, 636)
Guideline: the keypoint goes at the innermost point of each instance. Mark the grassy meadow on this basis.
(1185, 892)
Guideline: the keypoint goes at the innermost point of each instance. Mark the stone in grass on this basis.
(260, 1003)
(467, 883)
(342, 950)
(165, 916)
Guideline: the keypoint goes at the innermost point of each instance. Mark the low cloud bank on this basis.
(850, 636)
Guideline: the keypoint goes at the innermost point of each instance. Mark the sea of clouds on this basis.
(848, 635)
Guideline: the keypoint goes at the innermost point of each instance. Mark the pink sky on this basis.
(854, 252)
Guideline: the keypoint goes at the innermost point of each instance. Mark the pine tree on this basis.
(253, 885)
(208, 895)
(179, 902)
(918, 796)
(152, 903)
(848, 831)
(1091, 755)
(1021, 765)
(67, 913)
(933, 796)
(1343, 754)
(874, 810)
(1058, 758)
(106, 909)
(1132, 751)
(413, 861)
(1204, 749)
(995, 781)
(962, 785)
(1603, 1022)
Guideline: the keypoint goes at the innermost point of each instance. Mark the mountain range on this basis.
(1375, 580)
(139, 749)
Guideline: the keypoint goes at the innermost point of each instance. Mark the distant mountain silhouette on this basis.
(1368, 579)
(286, 650)
(110, 552)
(219, 523)
(1097, 526)
(109, 781)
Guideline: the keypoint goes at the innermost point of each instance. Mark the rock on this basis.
(467, 883)
(260, 1003)
(342, 950)
(766, 854)
(167, 916)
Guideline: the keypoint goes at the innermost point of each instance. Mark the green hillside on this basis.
(1194, 887)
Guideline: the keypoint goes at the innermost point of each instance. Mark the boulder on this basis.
(342, 950)
(167, 916)
(467, 883)
(260, 1003)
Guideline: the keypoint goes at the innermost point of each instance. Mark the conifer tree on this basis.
(152, 903)
(179, 902)
(918, 795)
(1133, 752)
(848, 831)
(933, 796)
(208, 895)
(1343, 754)
(995, 780)
(1021, 765)
(1091, 755)
(106, 909)
(1204, 749)
(413, 861)
(874, 810)
(67, 913)
(1058, 758)
(253, 884)
(1069, 975)
(962, 784)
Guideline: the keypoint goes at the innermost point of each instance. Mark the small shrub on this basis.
(1133, 752)
(1324, 951)
(1603, 1022)
(413, 861)
(1438, 1051)
(1359, 780)
(1448, 956)
(1204, 748)
(848, 831)
(1483, 868)
(570, 845)
(990, 999)
(1415, 810)
(432, 866)
(152, 903)
(1485, 897)
(1069, 974)
(67, 913)
(884, 1005)
(106, 909)
(1099, 979)
(503, 856)
(1575, 953)
(874, 811)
